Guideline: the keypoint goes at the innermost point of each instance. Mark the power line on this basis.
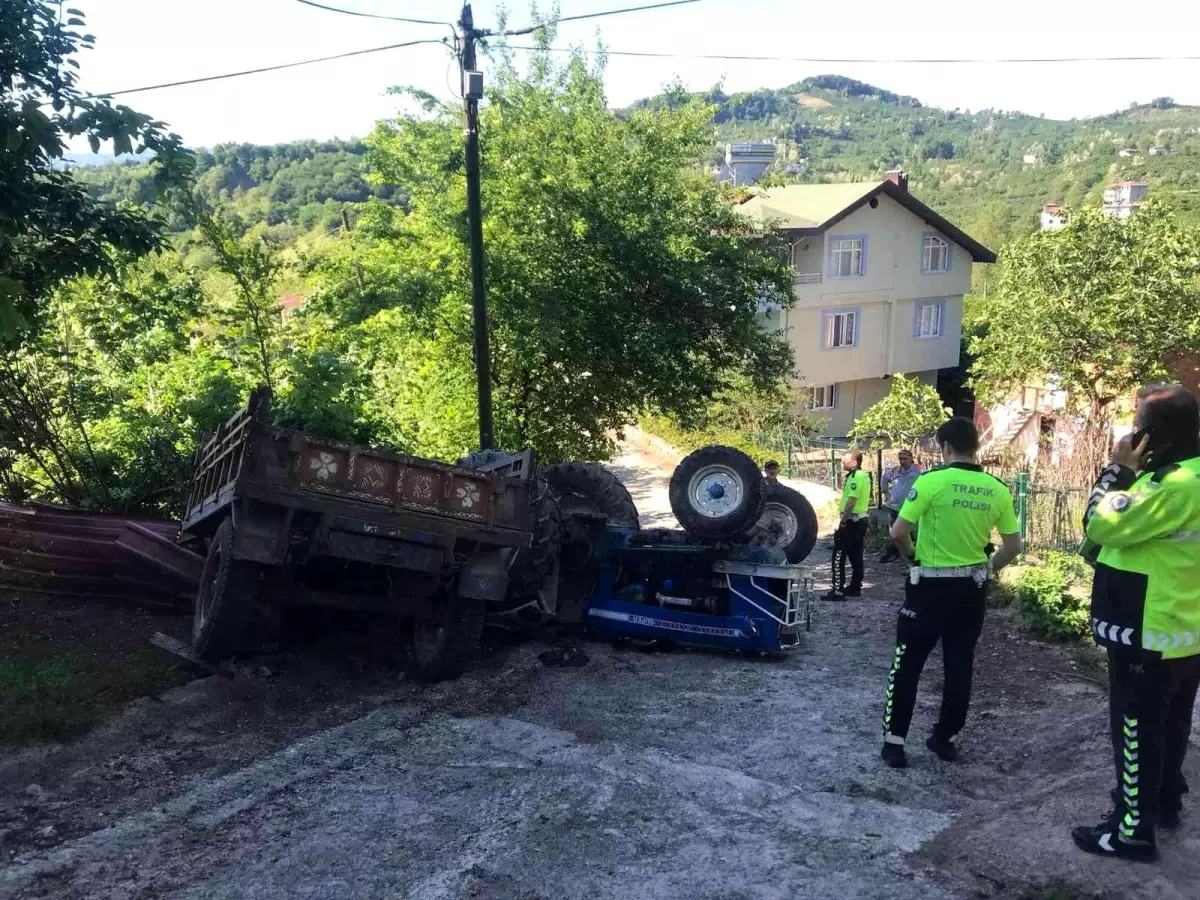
(291, 65)
(351, 12)
(608, 12)
(813, 59)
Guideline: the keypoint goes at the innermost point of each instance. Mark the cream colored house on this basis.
(879, 285)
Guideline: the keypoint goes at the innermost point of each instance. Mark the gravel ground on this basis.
(660, 775)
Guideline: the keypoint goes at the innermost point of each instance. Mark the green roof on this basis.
(812, 208)
(805, 205)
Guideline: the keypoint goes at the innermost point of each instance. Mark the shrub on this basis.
(1052, 596)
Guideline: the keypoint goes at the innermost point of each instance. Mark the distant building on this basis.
(1158, 150)
(746, 163)
(1054, 217)
(1124, 198)
(1127, 152)
(1030, 159)
(289, 304)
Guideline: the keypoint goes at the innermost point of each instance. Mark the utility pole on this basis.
(472, 86)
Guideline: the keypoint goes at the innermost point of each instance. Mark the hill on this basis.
(292, 188)
(989, 170)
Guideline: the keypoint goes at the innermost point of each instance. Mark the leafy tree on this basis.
(50, 228)
(911, 410)
(254, 266)
(620, 277)
(1102, 305)
(102, 407)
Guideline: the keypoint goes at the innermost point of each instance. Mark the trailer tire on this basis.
(788, 513)
(717, 492)
(226, 598)
(590, 484)
(444, 643)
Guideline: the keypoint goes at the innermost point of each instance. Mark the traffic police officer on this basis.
(957, 506)
(851, 534)
(1146, 613)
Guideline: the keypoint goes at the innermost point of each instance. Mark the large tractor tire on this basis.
(445, 642)
(717, 493)
(591, 487)
(534, 563)
(226, 599)
(789, 522)
(585, 491)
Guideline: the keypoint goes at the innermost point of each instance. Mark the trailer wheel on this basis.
(717, 492)
(790, 522)
(226, 598)
(585, 490)
(444, 643)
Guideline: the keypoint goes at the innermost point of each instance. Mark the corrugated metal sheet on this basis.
(52, 550)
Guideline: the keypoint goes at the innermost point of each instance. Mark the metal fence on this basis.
(1050, 514)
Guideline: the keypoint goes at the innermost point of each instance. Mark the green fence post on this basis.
(788, 446)
(1023, 508)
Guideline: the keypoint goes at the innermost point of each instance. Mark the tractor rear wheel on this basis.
(585, 492)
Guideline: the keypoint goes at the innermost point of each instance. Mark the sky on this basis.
(143, 42)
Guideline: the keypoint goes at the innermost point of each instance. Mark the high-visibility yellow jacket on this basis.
(1146, 590)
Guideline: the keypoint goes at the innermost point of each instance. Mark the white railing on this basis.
(808, 278)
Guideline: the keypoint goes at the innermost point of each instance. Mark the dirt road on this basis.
(682, 775)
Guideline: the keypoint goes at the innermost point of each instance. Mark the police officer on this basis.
(1146, 613)
(956, 506)
(851, 535)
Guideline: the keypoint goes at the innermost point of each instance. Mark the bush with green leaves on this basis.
(1053, 595)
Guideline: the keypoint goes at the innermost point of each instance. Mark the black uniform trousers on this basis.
(1150, 703)
(949, 610)
(848, 543)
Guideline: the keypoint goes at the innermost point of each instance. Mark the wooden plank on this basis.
(183, 650)
(166, 556)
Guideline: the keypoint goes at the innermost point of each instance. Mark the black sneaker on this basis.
(852, 592)
(888, 557)
(1169, 818)
(894, 756)
(832, 595)
(942, 748)
(1105, 840)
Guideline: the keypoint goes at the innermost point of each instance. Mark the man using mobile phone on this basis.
(1144, 516)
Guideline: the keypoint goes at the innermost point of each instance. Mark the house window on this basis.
(929, 320)
(935, 254)
(847, 257)
(824, 397)
(841, 329)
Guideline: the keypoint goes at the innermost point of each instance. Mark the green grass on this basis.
(52, 691)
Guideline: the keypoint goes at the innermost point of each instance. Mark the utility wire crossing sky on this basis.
(264, 72)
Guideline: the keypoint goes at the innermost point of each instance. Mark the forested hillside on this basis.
(970, 165)
(292, 188)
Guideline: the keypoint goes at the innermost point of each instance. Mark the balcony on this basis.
(808, 278)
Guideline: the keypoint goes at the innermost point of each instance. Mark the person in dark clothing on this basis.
(1142, 528)
(771, 472)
